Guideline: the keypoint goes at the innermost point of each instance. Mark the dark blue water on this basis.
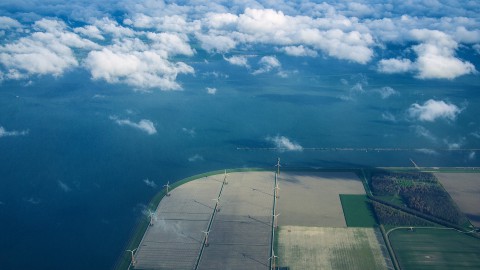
(72, 188)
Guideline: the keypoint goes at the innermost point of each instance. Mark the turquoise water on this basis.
(72, 188)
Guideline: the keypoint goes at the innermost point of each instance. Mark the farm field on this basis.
(435, 249)
(329, 248)
(464, 188)
(312, 199)
(357, 211)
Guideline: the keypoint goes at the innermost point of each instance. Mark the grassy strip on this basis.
(357, 211)
(124, 261)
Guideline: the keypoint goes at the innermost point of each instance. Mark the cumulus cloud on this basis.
(150, 183)
(299, 51)
(283, 143)
(436, 57)
(237, 60)
(12, 133)
(48, 50)
(267, 63)
(211, 90)
(142, 69)
(144, 125)
(8, 23)
(395, 65)
(432, 110)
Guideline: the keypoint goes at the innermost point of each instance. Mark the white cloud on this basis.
(435, 57)
(150, 183)
(425, 133)
(284, 144)
(476, 47)
(267, 63)
(143, 69)
(216, 43)
(237, 60)
(395, 65)
(90, 31)
(432, 110)
(211, 90)
(387, 116)
(427, 151)
(8, 23)
(386, 92)
(195, 158)
(299, 51)
(48, 50)
(144, 125)
(63, 186)
(472, 155)
(13, 133)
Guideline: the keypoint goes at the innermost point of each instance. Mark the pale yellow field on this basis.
(329, 248)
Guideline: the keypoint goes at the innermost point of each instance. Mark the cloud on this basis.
(32, 200)
(237, 60)
(299, 51)
(48, 50)
(13, 133)
(284, 144)
(216, 43)
(425, 133)
(267, 63)
(195, 158)
(432, 110)
(63, 186)
(435, 57)
(150, 183)
(475, 134)
(142, 69)
(190, 132)
(144, 125)
(427, 151)
(386, 92)
(472, 155)
(211, 90)
(395, 66)
(8, 23)
(90, 31)
(387, 116)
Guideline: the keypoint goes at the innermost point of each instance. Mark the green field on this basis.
(357, 211)
(435, 249)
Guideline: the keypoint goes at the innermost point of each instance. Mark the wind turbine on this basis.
(151, 214)
(273, 258)
(275, 220)
(133, 258)
(206, 237)
(276, 189)
(168, 187)
(217, 204)
(278, 166)
(225, 182)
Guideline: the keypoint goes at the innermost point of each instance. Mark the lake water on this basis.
(72, 188)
